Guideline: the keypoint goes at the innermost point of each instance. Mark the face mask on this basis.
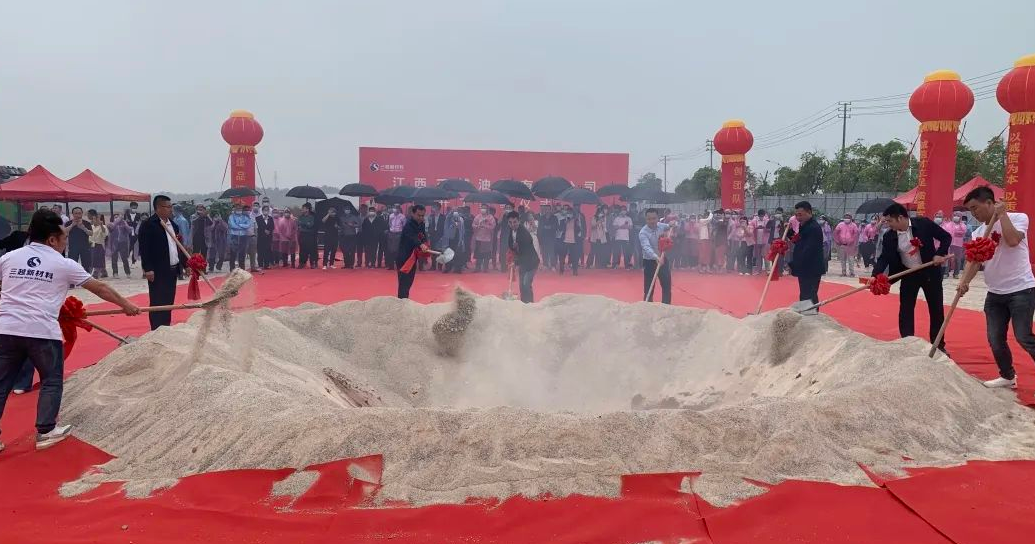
(938, 220)
(372, 215)
(955, 219)
(485, 211)
(846, 220)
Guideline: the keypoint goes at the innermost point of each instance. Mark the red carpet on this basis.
(977, 503)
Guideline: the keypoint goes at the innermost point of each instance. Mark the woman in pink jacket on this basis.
(957, 229)
(846, 238)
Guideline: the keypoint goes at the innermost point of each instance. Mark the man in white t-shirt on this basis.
(1008, 276)
(34, 282)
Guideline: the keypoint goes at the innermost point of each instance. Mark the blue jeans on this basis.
(23, 380)
(49, 359)
(525, 281)
(1000, 311)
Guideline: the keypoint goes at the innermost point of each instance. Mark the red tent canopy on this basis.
(39, 184)
(906, 199)
(88, 180)
(977, 181)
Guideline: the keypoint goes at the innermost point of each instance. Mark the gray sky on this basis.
(137, 90)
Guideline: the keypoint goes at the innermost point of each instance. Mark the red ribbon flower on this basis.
(879, 284)
(995, 236)
(917, 244)
(778, 248)
(415, 255)
(796, 238)
(510, 258)
(981, 249)
(197, 265)
(664, 244)
(71, 316)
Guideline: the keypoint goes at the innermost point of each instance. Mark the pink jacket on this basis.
(484, 227)
(846, 234)
(957, 230)
(870, 232)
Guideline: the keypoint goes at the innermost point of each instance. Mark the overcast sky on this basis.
(137, 90)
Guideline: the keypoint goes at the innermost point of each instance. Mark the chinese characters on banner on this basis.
(242, 172)
(921, 183)
(1013, 171)
(732, 185)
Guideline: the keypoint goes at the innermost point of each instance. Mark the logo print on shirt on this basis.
(33, 262)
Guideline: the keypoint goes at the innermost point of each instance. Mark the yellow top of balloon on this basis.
(242, 113)
(942, 75)
(733, 123)
(1028, 60)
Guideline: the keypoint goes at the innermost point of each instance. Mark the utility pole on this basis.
(710, 146)
(664, 179)
(844, 125)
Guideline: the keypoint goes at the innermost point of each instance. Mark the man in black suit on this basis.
(161, 259)
(525, 256)
(571, 234)
(264, 226)
(808, 264)
(413, 240)
(899, 252)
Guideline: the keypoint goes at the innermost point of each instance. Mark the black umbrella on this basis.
(358, 189)
(578, 195)
(239, 192)
(550, 187)
(396, 195)
(653, 196)
(307, 192)
(877, 205)
(457, 185)
(339, 204)
(488, 197)
(514, 188)
(433, 194)
(613, 190)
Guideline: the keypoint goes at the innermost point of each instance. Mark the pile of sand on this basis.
(558, 397)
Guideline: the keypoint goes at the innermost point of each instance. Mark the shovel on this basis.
(806, 307)
(509, 293)
(229, 289)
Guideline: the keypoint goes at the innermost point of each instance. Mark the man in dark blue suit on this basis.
(807, 262)
(161, 259)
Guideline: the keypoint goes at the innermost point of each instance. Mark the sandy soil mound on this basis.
(562, 396)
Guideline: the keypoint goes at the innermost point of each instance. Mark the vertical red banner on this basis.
(242, 172)
(936, 179)
(1019, 176)
(732, 184)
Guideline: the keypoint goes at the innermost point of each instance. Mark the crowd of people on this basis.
(262, 237)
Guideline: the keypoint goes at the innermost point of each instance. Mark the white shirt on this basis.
(174, 250)
(35, 281)
(905, 247)
(1009, 270)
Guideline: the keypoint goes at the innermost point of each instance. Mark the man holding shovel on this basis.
(413, 246)
(909, 243)
(654, 263)
(525, 256)
(161, 259)
(35, 281)
(1008, 276)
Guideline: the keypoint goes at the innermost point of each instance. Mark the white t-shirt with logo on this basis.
(34, 282)
(1009, 270)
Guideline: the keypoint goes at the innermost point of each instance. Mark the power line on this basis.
(797, 124)
(769, 145)
(829, 117)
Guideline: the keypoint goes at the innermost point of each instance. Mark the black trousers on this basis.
(265, 251)
(162, 292)
(306, 249)
(371, 253)
(330, 248)
(931, 284)
(81, 255)
(808, 288)
(664, 279)
(406, 281)
(348, 250)
(573, 252)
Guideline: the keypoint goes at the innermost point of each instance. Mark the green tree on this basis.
(968, 163)
(993, 161)
(651, 180)
(703, 185)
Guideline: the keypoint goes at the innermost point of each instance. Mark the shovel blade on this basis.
(446, 256)
(805, 307)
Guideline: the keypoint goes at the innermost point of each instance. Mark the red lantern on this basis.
(1016, 94)
(733, 141)
(939, 103)
(243, 133)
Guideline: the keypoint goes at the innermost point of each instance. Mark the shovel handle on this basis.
(166, 308)
(121, 339)
(772, 272)
(865, 287)
(188, 254)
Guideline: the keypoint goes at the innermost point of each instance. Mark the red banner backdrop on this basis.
(1016, 94)
(384, 167)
